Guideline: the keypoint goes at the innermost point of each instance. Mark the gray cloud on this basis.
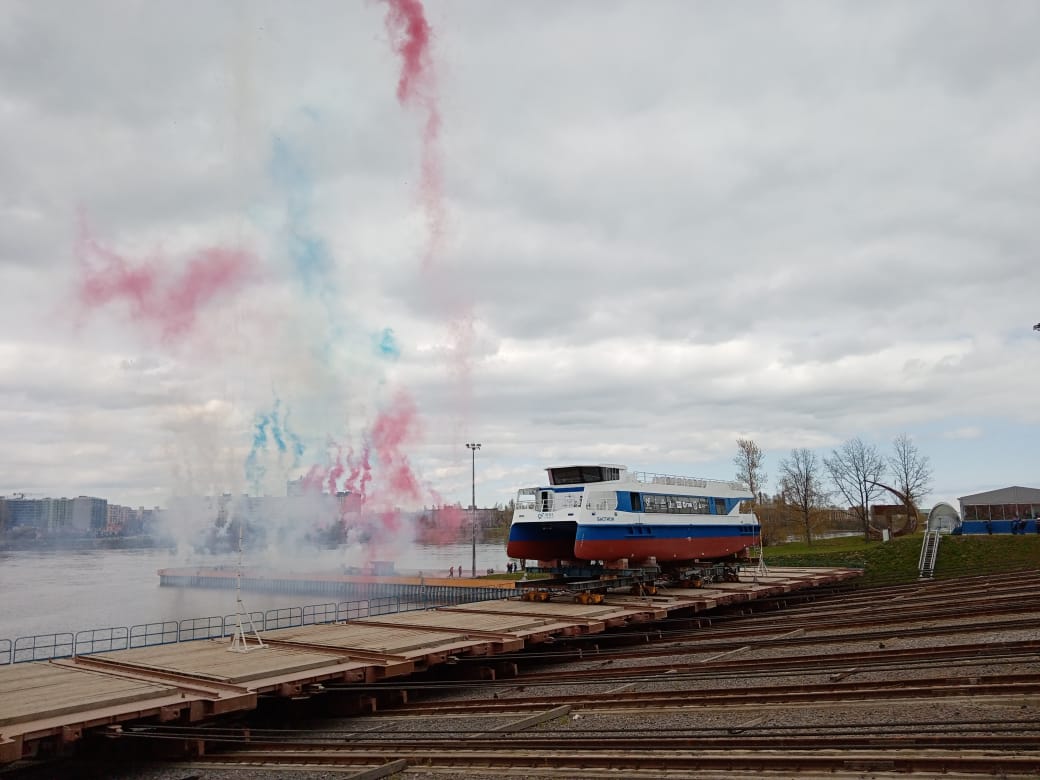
(669, 225)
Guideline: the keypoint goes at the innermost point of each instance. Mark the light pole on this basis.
(473, 447)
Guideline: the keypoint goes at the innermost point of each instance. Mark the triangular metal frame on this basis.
(240, 642)
(760, 570)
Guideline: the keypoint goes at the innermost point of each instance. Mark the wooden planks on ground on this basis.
(43, 690)
(213, 659)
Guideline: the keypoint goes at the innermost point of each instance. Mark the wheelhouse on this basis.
(583, 475)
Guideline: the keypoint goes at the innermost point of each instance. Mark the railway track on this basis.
(879, 629)
(1021, 735)
(1019, 685)
(961, 749)
(896, 617)
(711, 630)
(837, 666)
(563, 759)
(896, 658)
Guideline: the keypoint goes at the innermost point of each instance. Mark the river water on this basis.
(48, 592)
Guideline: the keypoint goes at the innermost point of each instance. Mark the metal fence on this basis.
(146, 634)
(43, 647)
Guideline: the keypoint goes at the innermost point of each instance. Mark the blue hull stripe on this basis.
(534, 532)
(612, 532)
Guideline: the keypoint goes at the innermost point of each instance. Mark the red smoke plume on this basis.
(410, 36)
(156, 295)
(390, 432)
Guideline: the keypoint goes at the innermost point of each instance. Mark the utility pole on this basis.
(473, 447)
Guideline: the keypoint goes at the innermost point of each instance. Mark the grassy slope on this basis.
(896, 561)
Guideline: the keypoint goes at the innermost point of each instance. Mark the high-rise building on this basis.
(120, 518)
(56, 515)
(89, 514)
(23, 512)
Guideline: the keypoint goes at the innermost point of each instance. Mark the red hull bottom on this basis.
(661, 549)
(540, 551)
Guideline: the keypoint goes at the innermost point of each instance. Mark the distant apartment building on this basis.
(148, 518)
(89, 514)
(80, 515)
(22, 513)
(56, 515)
(121, 519)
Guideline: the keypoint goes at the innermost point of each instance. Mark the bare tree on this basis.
(801, 482)
(855, 470)
(912, 473)
(749, 466)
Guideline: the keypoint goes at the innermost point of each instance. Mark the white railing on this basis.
(527, 498)
(672, 479)
(601, 502)
(929, 554)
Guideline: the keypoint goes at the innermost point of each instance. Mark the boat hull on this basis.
(556, 540)
(542, 541)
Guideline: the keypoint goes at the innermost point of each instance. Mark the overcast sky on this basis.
(620, 232)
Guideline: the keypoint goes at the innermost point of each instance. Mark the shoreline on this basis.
(86, 543)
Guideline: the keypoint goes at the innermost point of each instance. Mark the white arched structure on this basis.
(943, 517)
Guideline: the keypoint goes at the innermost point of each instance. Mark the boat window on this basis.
(675, 505)
(527, 498)
(577, 475)
(720, 506)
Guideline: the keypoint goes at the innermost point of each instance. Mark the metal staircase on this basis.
(929, 554)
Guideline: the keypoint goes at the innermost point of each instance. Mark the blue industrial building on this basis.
(1010, 510)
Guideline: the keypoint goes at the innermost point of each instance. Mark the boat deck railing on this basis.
(672, 479)
(529, 498)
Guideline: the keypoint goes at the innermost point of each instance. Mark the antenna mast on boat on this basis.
(240, 643)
